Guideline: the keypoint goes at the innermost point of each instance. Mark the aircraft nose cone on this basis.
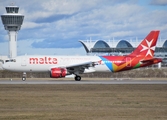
(4, 66)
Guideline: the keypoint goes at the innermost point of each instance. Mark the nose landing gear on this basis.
(24, 76)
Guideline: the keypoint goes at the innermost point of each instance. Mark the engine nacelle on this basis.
(58, 72)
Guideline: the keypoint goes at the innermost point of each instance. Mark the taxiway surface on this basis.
(83, 82)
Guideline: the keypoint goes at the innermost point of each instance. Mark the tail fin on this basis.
(147, 47)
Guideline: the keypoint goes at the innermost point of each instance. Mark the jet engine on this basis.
(58, 72)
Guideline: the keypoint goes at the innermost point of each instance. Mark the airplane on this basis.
(61, 66)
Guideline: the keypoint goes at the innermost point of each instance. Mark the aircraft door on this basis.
(23, 61)
(128, 62)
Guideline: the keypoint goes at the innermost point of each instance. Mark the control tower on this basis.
(12, 22)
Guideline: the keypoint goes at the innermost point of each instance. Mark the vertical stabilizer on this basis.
(147, 47)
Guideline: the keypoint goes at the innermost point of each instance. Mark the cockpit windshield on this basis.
(11, 60)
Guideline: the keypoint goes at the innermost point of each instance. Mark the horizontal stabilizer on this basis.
(153, 60)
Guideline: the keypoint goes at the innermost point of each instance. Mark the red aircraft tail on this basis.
(147, 47)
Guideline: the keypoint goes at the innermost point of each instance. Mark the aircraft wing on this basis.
(80, 68)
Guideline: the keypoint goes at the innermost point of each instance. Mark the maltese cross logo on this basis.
(148, 47)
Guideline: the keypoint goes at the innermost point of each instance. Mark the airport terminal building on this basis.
(122, 47)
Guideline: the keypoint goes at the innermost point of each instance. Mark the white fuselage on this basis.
(45, 63)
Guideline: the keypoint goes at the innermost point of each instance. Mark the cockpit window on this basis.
(6, 60)
(11, 60)
(14, 60)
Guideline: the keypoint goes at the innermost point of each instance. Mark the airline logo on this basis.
(43, 60)
(150, 49)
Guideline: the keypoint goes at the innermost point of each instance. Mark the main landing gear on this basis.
(24, 76)
(77, 78)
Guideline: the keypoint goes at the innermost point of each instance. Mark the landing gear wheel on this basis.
(77, 78)
(23, 78)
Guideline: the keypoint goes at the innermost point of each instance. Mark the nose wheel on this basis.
(77, 78)
(23, 78)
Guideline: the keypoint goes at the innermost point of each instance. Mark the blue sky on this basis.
(56, 26)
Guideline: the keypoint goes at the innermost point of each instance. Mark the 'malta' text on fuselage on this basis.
(43, 60)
